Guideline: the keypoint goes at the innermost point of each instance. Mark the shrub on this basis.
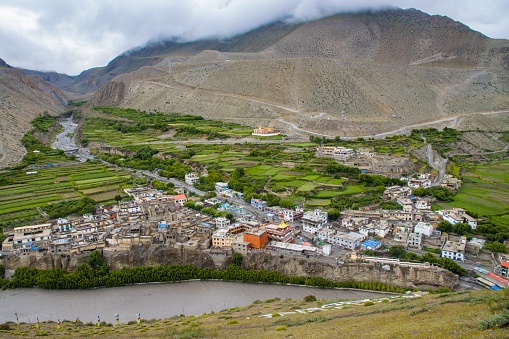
(281, 328)
(385, 300)
(5, 327)
(275, 315)
(309, 298)
(232, 322)
(495, 321)
(368, 303)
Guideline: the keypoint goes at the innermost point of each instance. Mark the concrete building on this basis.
(424, 228)
(312, 221)
(292, 215)
(222, 222)
(191, 178)
(344, 240)
(458, 215)
(180, 199)
(223, 238)
(259, 203)
(414, 240)
(455, 250)
(265, 131)
(282, 232)
(422, 205)
(256, 237)
(293, 249)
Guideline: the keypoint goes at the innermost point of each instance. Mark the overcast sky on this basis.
(72, 36)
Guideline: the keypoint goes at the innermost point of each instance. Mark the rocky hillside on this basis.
(348, 75)
(22, 98)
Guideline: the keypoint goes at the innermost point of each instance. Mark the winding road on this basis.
(402, 130)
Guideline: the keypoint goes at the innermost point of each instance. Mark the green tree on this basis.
(334, 214)
(496, 247)
(445, 226)
(237, 259)
(461, 228)
(397, 251)
(96, 259)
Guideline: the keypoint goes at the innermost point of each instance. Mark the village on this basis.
(152, 217)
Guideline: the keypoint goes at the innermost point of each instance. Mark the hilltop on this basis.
(347, 75)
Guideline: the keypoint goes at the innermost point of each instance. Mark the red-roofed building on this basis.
(503, 269)
(179, 199)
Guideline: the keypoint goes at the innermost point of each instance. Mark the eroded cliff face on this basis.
(407, 277)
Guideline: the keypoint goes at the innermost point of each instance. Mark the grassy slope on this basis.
(432, 316)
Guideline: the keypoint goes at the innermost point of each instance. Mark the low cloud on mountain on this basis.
(70, 36)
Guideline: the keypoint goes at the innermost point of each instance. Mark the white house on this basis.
(424, 228)
(191, 178)
(222, 222)
(455, 250)
(344, 240)
(312, 221)
(458, 215)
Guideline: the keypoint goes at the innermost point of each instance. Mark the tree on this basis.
(496, 247)
(413, 256)
(368, 252)
(461, 228)
(429, 257)
(96, 260)
(118, 197)
(445, 226)
(397, 251)
(334, 214)
(237, 259)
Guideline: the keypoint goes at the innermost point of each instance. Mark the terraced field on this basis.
(26, 192)
(485, 190)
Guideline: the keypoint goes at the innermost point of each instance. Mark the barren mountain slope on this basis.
(22, 98)
(359, 73)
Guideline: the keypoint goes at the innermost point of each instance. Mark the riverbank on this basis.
(161, 300)
(460, 314)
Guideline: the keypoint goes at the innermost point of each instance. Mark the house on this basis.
(395, 192)
(414, 240)
(380, 230)
(422, 205)
(259, 203)
(223, 238)
(344, 240)
(221, 187)
(63, 225)
(282, 232)
(293, 249)
(292, 215)
(191, 178)
(406, 203)
(503, 269)
(180, 199)
(257, 237)
(265, 131)
(371, 245)
(458, 215)
(450, 182)
(27, 235)
(222, 222)
(455, 250)
(424, 228)
(312, 221)
(240, 246)
(324, 234)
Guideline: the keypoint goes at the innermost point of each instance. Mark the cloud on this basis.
(70, 36)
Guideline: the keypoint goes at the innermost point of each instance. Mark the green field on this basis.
(19, 200)
(485, 190)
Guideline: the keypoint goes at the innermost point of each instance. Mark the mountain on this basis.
(348, 74)
(22, 98)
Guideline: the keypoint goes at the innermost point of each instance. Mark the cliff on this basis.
(407, 277)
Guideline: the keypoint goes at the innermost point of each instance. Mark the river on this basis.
(152, 300)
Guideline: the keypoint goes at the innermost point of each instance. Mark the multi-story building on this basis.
(422, 205)
(259, 203)
(458, 215)
(424, 228)
(282, 232)
(414, 240)
(223, 238)
(180, 199)
(312, 221)
(257, 237)
(222, 222)
(455, 250)
(27, 235)
(292, 215)
(344, 240)
(191, 178)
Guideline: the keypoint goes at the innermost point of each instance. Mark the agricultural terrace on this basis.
(289, 171)
(485, 191)
(21, 193)
(127, 126)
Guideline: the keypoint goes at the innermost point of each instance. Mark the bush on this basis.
(5, 327)
(309, 298)
(368, 303)
(275, 315)
(495, 321)
(232, 322)
(281, 328)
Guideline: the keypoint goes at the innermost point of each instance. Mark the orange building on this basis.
(256, 237)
